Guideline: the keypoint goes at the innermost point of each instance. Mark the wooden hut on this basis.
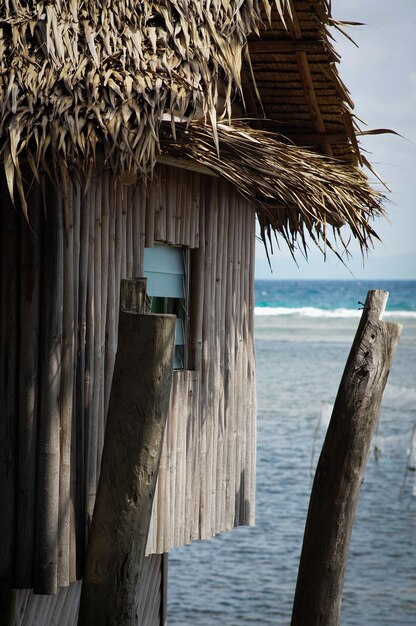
(142, 139)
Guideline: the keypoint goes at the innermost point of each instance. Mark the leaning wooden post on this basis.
(133, 440)
(340, 469)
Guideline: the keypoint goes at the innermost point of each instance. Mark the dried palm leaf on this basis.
(295, 191)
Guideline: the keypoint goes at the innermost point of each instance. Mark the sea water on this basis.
(304, 332)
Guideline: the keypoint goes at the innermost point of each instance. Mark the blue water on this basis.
(304, 331)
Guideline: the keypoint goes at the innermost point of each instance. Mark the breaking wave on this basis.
(331, 313)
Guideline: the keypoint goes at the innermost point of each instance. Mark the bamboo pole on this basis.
(196, 298)
(179, 202)
(223, 483)
(136, 231)
(9, 289)
(162, 201)
(47, 497)
(129, 235)
(143, 211)
(105, 289)
(90, 440)
(30, 259)
(198, 214)
(188, 221)
(172, 429)
(67, 387)
(76, 194)
(164, 494)
(180, 459)
(154, 198)
(112, 303)
(80, 398)
(172, 205)
(206, 424)
(341, 466)
(251, 464)
(230, 367)
(191, 440)
(213, 359)
(241, 422)
(123, 233)
(133, 441)
(96, 425)
(150, 217)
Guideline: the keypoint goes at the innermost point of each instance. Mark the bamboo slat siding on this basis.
(60, 288)
(62, 608)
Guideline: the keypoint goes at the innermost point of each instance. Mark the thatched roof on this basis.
(118, 83)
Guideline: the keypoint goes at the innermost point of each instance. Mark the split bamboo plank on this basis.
(143, 211)
(22, 604)
(112, 303)
(170, 230)
(150, 217)
(9, 260)
(172, 456)
(223, 488)
(196, 424)
(154, 197)
(67, 387)
(239, 440)
(105, 289)
(172, 205)
(31, 246)
(187, 222)
(198, 214)
(190, 447)
(47, 497)
(181, 459)
(230, 368)
(124, 196)
(196, 299)
(136, 231)
(226, 361)
(251, 400)
(90, 426)
(206, 424)
(129, 235)
(162, 201)
(177, 198)
(76, 191)
(164, 486)
(152, 611)
(81, 398)
(97, 426)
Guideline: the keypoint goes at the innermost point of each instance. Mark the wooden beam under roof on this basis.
(307, 82)
(268, 46)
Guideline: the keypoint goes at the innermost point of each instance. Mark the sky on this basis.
(381, 77)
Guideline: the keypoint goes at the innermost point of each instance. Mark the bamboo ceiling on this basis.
(119, 83)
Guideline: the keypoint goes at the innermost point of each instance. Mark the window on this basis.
(164, 268)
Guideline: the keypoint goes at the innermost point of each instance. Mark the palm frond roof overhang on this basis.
(83, 82)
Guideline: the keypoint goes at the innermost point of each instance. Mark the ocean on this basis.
(304, 331)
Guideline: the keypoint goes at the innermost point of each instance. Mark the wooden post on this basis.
(341, 466)
(133, 441)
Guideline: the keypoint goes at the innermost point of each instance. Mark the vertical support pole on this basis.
(133, 441)
(45, 579)
(340, 469)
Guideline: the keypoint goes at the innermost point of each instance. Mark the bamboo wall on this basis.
(62, 609)
(60, 282)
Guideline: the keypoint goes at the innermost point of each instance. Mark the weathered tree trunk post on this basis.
(133, 441)
(340, 469)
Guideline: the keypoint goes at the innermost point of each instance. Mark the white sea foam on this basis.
(315, 312)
